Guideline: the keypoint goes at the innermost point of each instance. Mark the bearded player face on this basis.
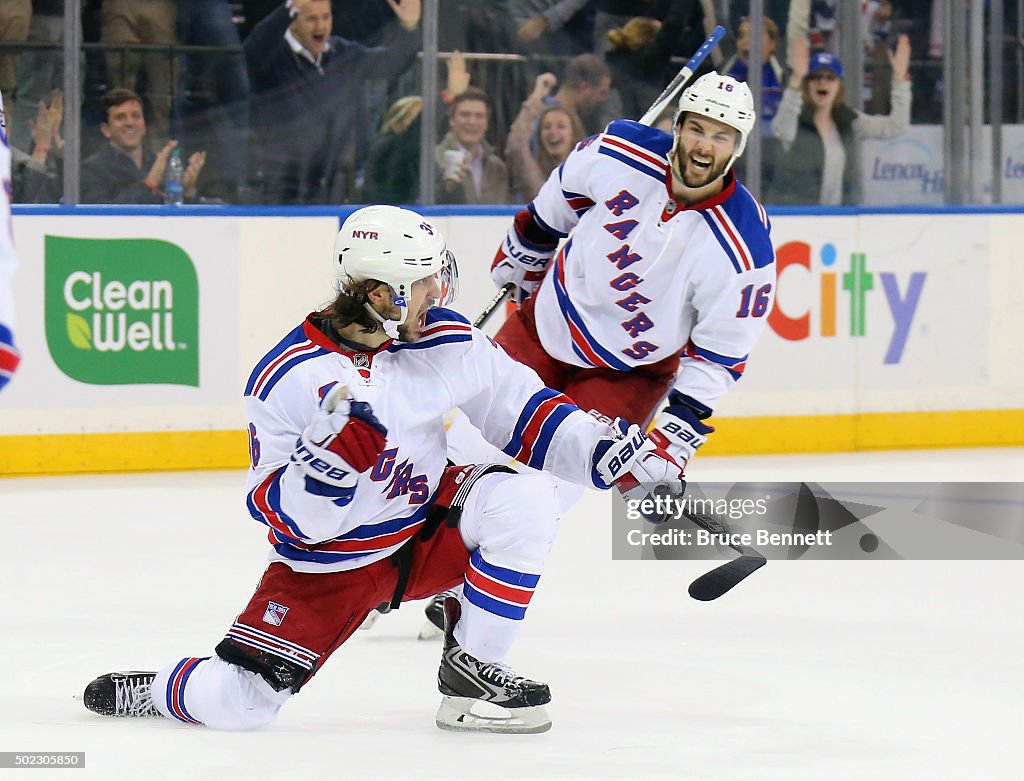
(703, 149)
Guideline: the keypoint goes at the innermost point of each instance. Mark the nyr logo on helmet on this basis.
(358, 234)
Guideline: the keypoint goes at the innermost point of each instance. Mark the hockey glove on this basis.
(521, 261)
(343, 440)
(639, 469)
(680, 431)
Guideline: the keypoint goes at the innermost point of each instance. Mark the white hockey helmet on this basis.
(724, 99)
(398, 247)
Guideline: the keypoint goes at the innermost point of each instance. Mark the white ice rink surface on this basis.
(809, 670)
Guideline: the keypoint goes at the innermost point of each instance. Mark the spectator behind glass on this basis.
(40, 70)
(585, 87)
(558, 131)
(305, 82)
(819, 133)
(36, 176)
(148, 22)
(482, 176)
(541, 26)
(123, 170)
(216, 105)
(15, 17)
(392, 174)
(636, 64)
(738, 66)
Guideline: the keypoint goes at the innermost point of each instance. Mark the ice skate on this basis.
(376, 613)
(122, 694)
(485, 696)
(434, 611)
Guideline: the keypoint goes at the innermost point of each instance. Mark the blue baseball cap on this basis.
(826, 61)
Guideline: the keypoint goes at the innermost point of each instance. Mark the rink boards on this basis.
(892, 329)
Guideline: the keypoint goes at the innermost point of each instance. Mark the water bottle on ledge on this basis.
(174, 181)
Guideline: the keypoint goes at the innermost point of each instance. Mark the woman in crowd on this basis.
(819, 134)
(558, 131)
(392, 174)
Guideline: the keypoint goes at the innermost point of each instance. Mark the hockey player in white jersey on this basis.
(349, 474)
(666, 278)
(9, 356)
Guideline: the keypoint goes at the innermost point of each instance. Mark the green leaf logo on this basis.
(79, 331)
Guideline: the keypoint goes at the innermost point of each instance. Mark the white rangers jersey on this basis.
(410, 386)
(642, 278)
(9, 356)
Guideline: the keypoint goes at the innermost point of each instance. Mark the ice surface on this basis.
(808, 670)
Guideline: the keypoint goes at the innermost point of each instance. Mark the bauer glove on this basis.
(639, 469)
(680, 430)
(520, 261)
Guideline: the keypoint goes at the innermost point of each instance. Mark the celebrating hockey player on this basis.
(665, 282)
(348, 471)
(9, 356)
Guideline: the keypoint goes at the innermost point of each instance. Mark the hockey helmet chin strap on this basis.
(391, 326)
(447, 280)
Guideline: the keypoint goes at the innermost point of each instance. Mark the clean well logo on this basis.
(122, 311)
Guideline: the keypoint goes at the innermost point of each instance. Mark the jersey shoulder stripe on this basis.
(633, 156)
(649, 139)
(741, 234)
(442, 326)
(294, 337)
(288, 353)
(746, 218)
(440, 314)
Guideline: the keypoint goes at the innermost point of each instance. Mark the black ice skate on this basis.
(472, 689)
(434, 611)
(121, 694)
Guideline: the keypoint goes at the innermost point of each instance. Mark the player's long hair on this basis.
(349, 306)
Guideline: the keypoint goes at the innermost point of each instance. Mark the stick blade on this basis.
(720, 580)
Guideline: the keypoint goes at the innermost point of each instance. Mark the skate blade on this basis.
(429, 632)
(456, 714)
(369, 621)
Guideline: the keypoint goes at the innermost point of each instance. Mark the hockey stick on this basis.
(711, 585)
(682, 77)
(493, 304)
(648, 118)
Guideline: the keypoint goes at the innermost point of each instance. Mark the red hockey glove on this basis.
(343, 440)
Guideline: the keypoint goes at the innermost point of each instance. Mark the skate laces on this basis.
(500, 673)
(133, 697)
